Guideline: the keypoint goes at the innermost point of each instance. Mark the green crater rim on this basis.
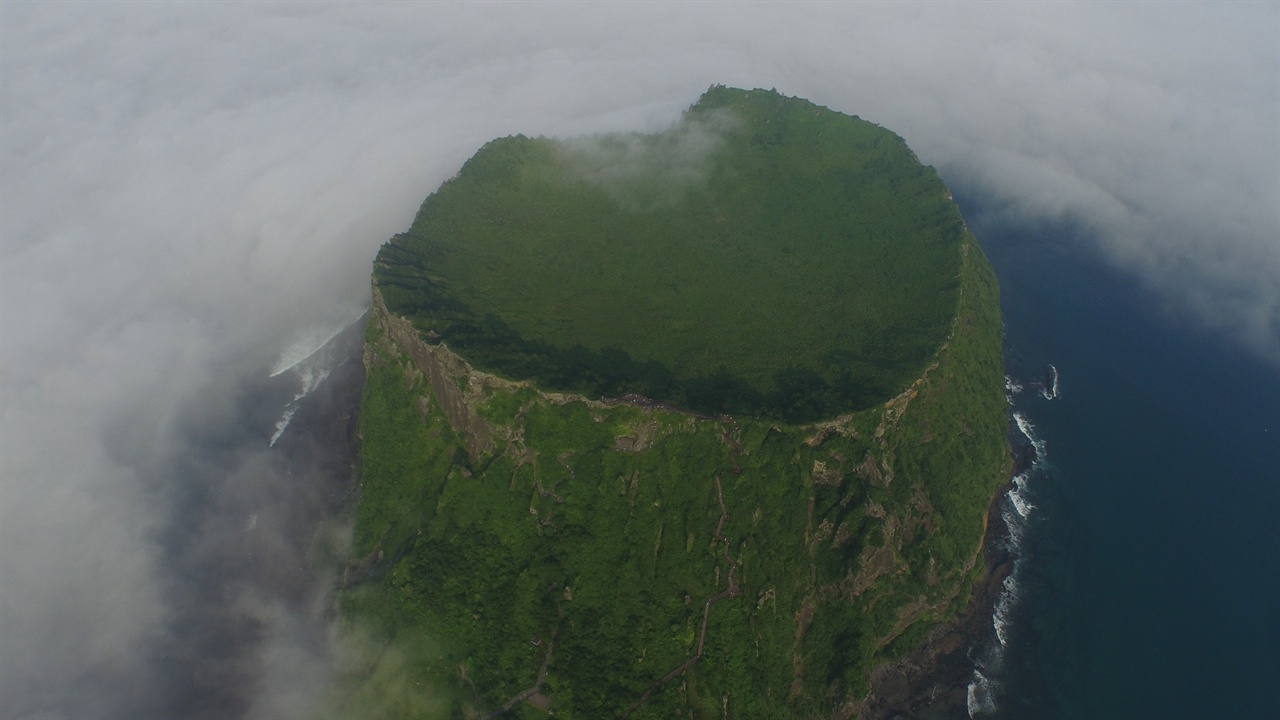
(765, 256)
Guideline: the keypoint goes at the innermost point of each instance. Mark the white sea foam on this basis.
(282, 423)
(1004, 607)
(310, 358)
(310, 362)
(980, 698)
(311, 372)
(984, 689)
(1049, 390)
(1020, 504)
(1015, 514)
(1011, 387)
(1024, 425)
(1018, 496)
(1029, 430)
(311, 377)
(1015, 523)
(308, 342)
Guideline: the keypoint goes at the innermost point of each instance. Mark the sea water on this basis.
(1148, 578)
(310, 356)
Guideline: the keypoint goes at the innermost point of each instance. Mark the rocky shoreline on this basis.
(932, 683)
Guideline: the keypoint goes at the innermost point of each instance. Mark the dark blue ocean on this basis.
(1148, 584)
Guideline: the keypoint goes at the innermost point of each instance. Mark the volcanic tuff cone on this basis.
(703, 422)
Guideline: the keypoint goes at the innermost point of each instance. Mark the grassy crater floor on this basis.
(764, 256)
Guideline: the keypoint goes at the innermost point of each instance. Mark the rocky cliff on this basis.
(626, 554)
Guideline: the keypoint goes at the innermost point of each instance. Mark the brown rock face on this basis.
(932, 683)
(441, 367)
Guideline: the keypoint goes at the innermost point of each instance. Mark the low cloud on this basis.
(646, 170)
(186, 188)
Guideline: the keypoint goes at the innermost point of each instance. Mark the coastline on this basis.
(932, 682)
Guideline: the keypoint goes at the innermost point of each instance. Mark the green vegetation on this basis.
(766, 256)
(505, 530)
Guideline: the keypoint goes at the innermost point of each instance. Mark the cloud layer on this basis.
(187, 189)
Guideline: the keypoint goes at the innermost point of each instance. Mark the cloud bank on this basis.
(622, 164)
(188, 190)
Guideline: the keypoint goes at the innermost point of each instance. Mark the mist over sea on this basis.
(191, 195)
(1149, 578)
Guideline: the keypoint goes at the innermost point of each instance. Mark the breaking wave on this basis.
(1049, 388)
(1016, 511)
(1029, 431)
(1018, 496)
(283, 423)
(310, 362)
(980, 698)
(306, 343)
(1004, 605)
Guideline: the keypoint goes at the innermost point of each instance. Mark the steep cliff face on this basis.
(625, 556)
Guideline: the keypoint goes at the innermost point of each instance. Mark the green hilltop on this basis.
(765, 256)
(696, 424)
